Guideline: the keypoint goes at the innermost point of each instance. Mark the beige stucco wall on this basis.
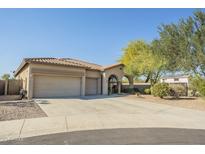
(99, 86)
(93, 74)
(171, 80)
(23, 75)
(53, 68)
(117, 71)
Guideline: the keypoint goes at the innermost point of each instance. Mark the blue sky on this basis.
(95, 35)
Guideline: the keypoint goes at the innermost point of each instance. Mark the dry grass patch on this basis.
(196, 103)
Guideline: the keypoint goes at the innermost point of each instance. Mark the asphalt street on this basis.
(124, 136)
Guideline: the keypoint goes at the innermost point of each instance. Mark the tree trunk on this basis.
(148, 77)
(157, 76)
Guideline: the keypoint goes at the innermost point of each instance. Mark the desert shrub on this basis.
(147, 91)
(160, 90)
(197, 85)
(177, 90)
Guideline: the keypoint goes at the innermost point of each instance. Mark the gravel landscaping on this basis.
(196, 103)
(9, 97)
(20, 110)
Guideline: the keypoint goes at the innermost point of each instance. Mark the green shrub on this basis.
(147, 91)
(177, 90)
(197, 84)
(160, 90)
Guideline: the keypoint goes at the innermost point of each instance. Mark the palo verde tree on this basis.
(141, 60)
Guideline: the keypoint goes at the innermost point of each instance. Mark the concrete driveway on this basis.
(120, 112)
(104, 113)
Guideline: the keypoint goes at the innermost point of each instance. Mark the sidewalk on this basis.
(17, 129)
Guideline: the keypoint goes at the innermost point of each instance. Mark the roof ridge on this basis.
(39, 58)
(62, 59)
(173, 76)
(113, 65)
(82, 61)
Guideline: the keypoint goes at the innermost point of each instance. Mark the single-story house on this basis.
(180, 79)
(66, 77)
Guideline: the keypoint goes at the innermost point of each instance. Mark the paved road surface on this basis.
(120, 136)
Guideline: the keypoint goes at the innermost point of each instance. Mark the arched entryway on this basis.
(113, 85)
(125, 84)
(125, 80)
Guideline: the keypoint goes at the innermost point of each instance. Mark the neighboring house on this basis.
(66, 77)
(182, 80)
(175, 79)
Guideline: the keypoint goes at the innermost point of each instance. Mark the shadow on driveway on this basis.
(151, 136)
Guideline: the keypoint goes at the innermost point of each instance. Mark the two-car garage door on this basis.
(56, 86)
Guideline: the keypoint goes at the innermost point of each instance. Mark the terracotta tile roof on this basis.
(111, 66)
(84, 64)
(64, 62)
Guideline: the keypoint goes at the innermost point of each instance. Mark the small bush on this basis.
(197, 84)
(160, 90)
(147, 91)
(177, 90)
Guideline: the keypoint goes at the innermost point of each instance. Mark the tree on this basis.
(5, 76)
(140, 60)
(197, 84)
(183, 44)
(180, 48)
(136, 58)
(159, 63)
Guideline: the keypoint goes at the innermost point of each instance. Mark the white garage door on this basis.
(56, 86)
(91, 86)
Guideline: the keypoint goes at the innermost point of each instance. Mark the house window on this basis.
(176, 79)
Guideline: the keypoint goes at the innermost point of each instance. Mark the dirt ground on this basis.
(196, 103)
(20, 110)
